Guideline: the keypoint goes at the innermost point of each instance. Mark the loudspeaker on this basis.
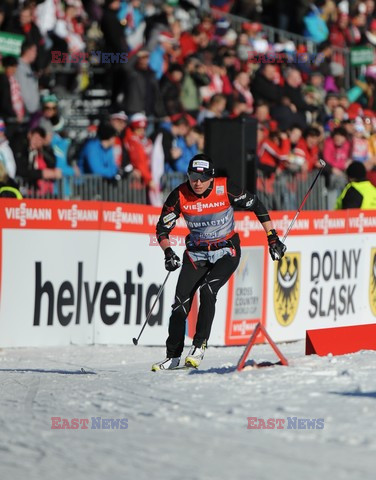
(232, 145)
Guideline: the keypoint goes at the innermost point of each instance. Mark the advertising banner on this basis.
(89, 272)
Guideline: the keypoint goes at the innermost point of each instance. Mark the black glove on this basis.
(276, 247)
(172, 261)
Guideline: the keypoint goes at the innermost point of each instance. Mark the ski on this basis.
(182, 367)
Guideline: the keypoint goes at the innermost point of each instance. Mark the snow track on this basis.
(187, 424)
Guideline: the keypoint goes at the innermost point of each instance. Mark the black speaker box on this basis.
(232, 145)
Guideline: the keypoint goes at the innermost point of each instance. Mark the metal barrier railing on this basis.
(281, 192)
(286, 191)
(87, 187)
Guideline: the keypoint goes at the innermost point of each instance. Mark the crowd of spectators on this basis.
(173, 65)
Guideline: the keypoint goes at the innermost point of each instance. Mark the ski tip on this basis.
(135, 341)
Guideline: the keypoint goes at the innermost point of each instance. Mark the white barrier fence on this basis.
(88, 272)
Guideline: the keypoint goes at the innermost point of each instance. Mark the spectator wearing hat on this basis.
(27, 79)
(97, 156)
(51, 120)
(141, 88)
(139, 148)
(6, 153)
(119, 120)
(11, 100)
(254, 37)
(359, 192)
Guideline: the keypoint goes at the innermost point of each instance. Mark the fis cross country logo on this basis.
(287, 288)
(372, 282)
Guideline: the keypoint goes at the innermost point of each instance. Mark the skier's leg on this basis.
(218, 275)
(189, 280)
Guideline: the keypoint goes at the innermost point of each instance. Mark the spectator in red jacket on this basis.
(307, 148)
(139, 148)
(189, 42)
(273, 152)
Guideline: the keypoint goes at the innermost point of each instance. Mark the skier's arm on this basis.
(167, 220)
(245, 200)
(241, 199)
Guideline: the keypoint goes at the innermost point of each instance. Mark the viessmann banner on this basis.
(88, 272)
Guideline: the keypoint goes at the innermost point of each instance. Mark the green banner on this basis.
(361, 56)
(10, 44)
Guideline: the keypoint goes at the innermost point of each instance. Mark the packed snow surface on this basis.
(185, 424)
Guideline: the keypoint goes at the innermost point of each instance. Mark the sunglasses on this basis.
(50, 107)
(194, 176)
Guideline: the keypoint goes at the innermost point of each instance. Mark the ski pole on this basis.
(135, 340)
(323, 164)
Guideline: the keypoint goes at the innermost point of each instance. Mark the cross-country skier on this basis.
(212, 251)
